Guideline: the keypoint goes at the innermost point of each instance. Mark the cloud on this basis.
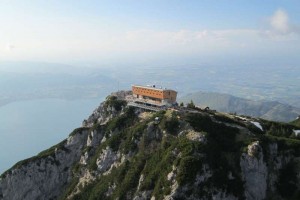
(280, 22)
(9, 47)
(168, 41)
(185, 42)
(279, 27)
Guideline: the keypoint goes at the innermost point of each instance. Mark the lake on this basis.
(28, 127)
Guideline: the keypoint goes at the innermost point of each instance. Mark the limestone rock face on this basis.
(43, 178)
(106, 159)
(100, 115)
(152, 132)
(104, 111)
(254, 172)
(94, 138)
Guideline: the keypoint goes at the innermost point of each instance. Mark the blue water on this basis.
(28, 127)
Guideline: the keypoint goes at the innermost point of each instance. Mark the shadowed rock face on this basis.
(186, 155)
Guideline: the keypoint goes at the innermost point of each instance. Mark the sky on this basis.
(140, 31)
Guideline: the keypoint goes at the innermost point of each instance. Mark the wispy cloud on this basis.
(280, 22)
(9, 47)
(185, 40)
(280, 28)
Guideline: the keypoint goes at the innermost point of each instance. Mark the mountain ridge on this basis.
(270, 110)
(121, 152)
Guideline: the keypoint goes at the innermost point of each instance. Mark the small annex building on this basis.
(153, 96)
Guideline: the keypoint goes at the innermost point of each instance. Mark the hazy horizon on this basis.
(106, 33)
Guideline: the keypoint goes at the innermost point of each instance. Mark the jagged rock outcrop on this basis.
(100, 115)
(106, 111)
(254, 172)
(118, 154)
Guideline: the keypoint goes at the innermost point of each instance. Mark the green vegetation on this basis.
(159, 164)
(98, 188)
(284, 144)
(296, 122)
(125, 177)
(116, 132)
(78, 131)
(155, 158)
(70, 188)
(170, 124)
(190, 105)
(113, 101)
(190, 164)
(131, 179)
(279, 129)
(131, 136)
(157, 155)
(121, 121)
(221, 144)
(159, 114)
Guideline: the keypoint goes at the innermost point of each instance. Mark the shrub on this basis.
(114, 141)
(190, 105)
(78, 131)
(171, 125)
(131, 179)
(122, 121)
(187, 169)
(113, 101)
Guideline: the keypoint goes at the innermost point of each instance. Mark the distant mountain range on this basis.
(35, 80)
(271, 110)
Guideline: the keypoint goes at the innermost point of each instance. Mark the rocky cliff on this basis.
(47, 174)
(124, 153)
